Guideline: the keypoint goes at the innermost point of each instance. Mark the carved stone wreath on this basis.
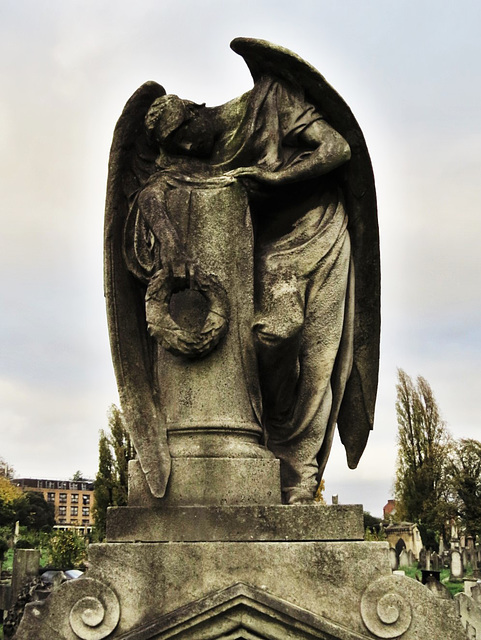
(162, 326)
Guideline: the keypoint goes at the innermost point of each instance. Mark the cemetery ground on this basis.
(59, 551)
(453, 586)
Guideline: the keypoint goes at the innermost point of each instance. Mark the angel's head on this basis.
(180, 126)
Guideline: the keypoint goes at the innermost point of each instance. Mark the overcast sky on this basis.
(410, 71)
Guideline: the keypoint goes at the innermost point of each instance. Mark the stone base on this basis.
(240, 589)
(235, 524)
(212, 481)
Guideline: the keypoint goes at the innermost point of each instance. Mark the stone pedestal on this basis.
(255, 572)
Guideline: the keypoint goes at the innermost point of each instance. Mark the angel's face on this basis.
(194, 136)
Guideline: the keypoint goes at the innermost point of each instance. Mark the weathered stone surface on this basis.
(235, 523)
(470, 612)
(83, 608)
(25, 568)
(326, 590)
(440, 590)
(212, 481)
(393, 559)
(456, 565)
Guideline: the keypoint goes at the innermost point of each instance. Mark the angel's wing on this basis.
(356, 415)
(131, 162)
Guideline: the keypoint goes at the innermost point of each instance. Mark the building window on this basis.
(73, 485)
(85, 499)
(50, 484)
(62, 511)
(85, 511)
(74, 511)
(62, 485)
(84, 486)
(74, 498)
(62, 498)
(61, 521)
(50, 496)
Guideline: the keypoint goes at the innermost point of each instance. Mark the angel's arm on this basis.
(324, 150)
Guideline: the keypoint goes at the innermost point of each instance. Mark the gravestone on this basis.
(393, 558)
(476, 593)
(441, 546)
(436, 563)
(404, 558)
(456, 566)
(423, 558)
(242, 286)
(437, 588)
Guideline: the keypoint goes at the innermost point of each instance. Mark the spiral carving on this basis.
(96, 612)
(385, 608)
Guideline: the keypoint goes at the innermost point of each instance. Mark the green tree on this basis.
(10, 499)
(123, 452)
(422, 487)
(466, 479)
(111, 483)
(67, 550)
(34, 512)
(77, 476)
(104, 483)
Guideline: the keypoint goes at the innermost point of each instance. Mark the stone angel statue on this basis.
(242, 274)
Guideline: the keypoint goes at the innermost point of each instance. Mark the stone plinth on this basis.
(278, 523)
(255, 590)
(256, 572)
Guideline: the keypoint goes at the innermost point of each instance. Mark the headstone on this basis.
(25, 568)
(335, 499)
(470, 614)
(404, 559)
(411, 558)
(437, 588)
(469, 584)
(435, 562)
(422, 558)
(476, 593)
(474, 560)
(456, 566)
(393, 558)
(466, 558)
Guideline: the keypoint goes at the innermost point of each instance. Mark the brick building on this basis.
(73, 500)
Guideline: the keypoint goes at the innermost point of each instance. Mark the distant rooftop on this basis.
(84, 484)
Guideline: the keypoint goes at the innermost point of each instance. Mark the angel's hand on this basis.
(254, 173)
